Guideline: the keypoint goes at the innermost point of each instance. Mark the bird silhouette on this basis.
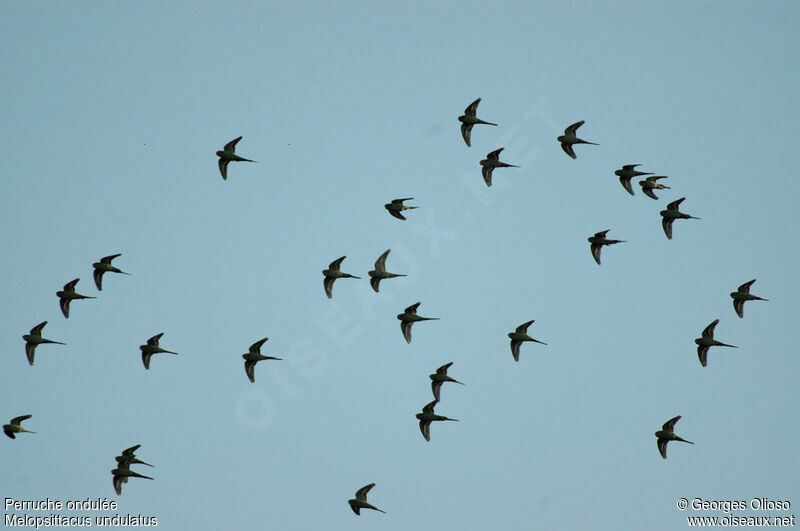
(409, 317)
(519, 336)
(68, 295)
(35, 338)
(468, 119)
(628, 172)
(706, 341)
(739, 297)
(666, 434)
(426, 417)
(152, 348)
(396, 207)
(227, 155)
(332, 273)
(671, 214)
(253, 356)
(651, 183)
(360, 501)
(15, 426)
(569, 139)
(491, 162)
(380, 273)
(104, 266)
(598, 241)
(438, 378)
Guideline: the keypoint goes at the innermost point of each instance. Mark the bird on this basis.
(104, 266)
(491, 162)
(651, 183)
(332, 273)
(380, 273)
(152, 348)
(360, 501)
(128, 457)
(35, 338)
(396, 207)
(253, 356)
(438, 378)
(739, 297)
(409, 317)
(671, 214)
(706, 341)
(15, 426)
(598, 241)
(568, 139)
(468, 119)
(69, 294)
(519, 336)
(227, 155)
(626, 173)
(426, 417)
(665, 435)
(121, 475)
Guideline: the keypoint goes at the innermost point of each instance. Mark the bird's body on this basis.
(152, 347)
(741, 295)
(409, 317)
(332, 273)
(491, 162)
(706, 341)
(671, 214)
(380, 273)
(569, 139)
(519, 336)
(68, 294)
(598, 241)
(360, 501)
(468, 119)
(14, 426)
(651, 183)
(34, 338)
(228, 154)
(253, 356)
(666, 434)
(121, 475)
(628, 172)
(396, 207)
(438, 378)
(104, 266)
(427, 416)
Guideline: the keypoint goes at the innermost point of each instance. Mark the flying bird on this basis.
(332, 273)
(409, 317)
(129, 458)
(438, 378)
(519, 336)
(665, 435)
(468, 119)
(651, 183)
(706, 341)
(152, 348)
(568, 139)
(360, 501)
(628, 172)
(671, 214)
(739, 297)
(121, 475)
(227, 155)
(426, 417)
(104, 266)
(380, 273)
(35, 338)
(396, 207)
(15, 426)
(68, 295)
(253, 356)
(598, 241)
(491, 162)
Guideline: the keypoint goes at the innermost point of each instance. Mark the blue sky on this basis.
(111, 116)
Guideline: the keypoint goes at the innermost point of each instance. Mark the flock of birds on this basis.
(122, 472)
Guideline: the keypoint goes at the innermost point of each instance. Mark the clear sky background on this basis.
(111, 115)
